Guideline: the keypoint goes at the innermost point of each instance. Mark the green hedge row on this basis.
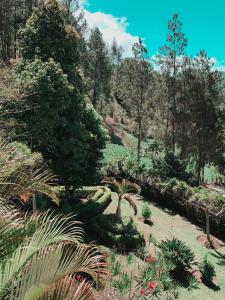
(94, 206)
(127, 238)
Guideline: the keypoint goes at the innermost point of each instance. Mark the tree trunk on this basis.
(67, 191)
(118, 210)
(208, 229)
(34, 203)
(139, 140)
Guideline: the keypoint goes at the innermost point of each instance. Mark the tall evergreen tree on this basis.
(206, 106)
(169, 59)
(63, 128)
(135, 86)
(100, 69)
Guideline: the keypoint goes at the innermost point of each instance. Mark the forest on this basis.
(112, 168)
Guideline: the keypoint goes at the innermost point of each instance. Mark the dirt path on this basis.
(166, 224)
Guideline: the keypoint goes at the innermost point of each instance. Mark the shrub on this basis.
(156, 281)
(178, 253)
(123, 284)
(213, 200)
(112, 224)
(176, 168)
(115, 268)
(146, 211)
(207, 270)
(124, 240)
(177, 188)
(94, 206)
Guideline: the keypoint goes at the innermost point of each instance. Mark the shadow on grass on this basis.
(219, 256)
(212, 286)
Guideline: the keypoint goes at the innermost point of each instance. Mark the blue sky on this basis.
(203, 23)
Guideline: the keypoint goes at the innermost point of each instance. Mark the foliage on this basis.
(177, 188)
(123, 284)
(176, 168)
(212, 200)
(24, 174)
(99, 69)
(46, 35)
(124, 189)
(124, 239)
(146, 211)
(47, 256)
(94, 206)
(49, 74)
(155, 280)
(115, 268)
(176, 252)
(207, 270)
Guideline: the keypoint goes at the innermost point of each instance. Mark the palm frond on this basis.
(129, 187)
(22, 171)
(69, 289)
(129, 199)
(49, 231)
(54, 263)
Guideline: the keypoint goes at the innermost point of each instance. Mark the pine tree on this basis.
(206, 105)
(62, 127)
(135, 87)
(169, 59)
(100, 69)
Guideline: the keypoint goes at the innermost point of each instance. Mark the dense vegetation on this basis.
(92, 131)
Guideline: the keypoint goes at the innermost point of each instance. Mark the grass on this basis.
(168, 225)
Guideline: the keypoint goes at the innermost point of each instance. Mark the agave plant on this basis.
(23, 173)
(124, 189)
(178, 253)
(48, 259)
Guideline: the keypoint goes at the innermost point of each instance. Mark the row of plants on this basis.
(165, 179)
(212, 200)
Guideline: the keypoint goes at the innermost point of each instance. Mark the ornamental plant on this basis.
(207, 270)
(178, 253)
(146, 211)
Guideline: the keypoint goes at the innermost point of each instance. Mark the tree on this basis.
(135, 87)
(206, 105)
(66, 131)
(169, 58)
(124, 189)
(116, 53)
(13, 15)
(100, 68)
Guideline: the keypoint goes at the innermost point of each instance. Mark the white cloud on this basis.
(112, 27)
(218, 65)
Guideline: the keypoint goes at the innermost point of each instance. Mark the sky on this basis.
(126, 20)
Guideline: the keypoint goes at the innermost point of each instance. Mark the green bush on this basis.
(207, 270)
(115, 268)
(123, 284)
(178, 253)
(94, 206)
(213, 200)
(146, 211)
(126, 240)
(110, 223)
(158, 284)
(176, 188)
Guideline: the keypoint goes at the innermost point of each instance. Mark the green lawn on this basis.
(168, 225)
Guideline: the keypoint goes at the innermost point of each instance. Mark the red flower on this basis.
(150, 259)
(78, 277)
(142, 291)
(151, 285)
